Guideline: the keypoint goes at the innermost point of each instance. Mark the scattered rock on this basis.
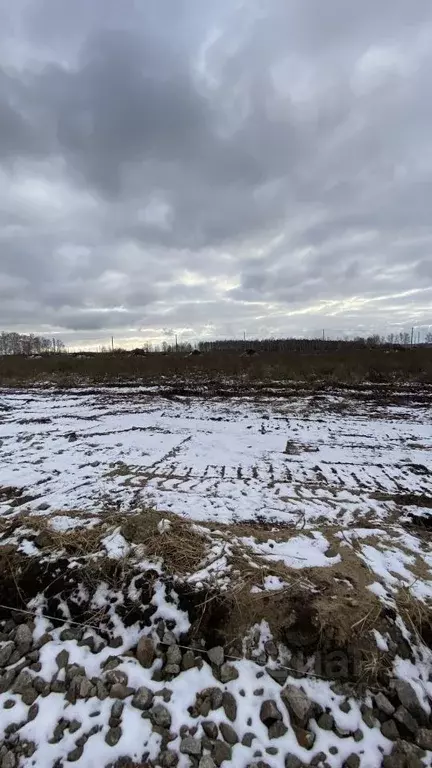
(248, 739)
(23, 638)
(9, 760)
(33, 712)
(406, 719)
(280, 676)
(292, 761)
(345, 706)
(408, 697)
(101, 691)
(58, 686)
(384, 705)
(227, 673)
(72, 633)
(6, 680)
(188, 660)
(171, 670)
(297, 703)
(216, 655)
(113, 736)
(143, 698)
(114, 676)
(277, 730)
(169, 638)
(221, 751)
(117, 709)
(159, 715)
(210, 729)
(119, 691)
(23, 681)
(190, 746)
(424, 738)
(353, 761)
(145, 651)
(75, 754)
(9, 704)
(29, 695)
(228, 733)
(206, 762)
(230, 705)
(358, 735)
(390, 731)
(174, 655)
(168, 759)
(269, 713)
(326, 722)
(62, 659)
(368, 717)
(6, 652)
(304, 737)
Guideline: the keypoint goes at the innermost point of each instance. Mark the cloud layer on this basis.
(261, 167)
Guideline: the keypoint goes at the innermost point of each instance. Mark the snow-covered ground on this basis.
(314, 496)
(277, 460)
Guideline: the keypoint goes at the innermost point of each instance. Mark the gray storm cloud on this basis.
(260, 166)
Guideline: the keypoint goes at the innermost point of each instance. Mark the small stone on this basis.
(390, 731)
(119, 691)
(169, 638)
(74, 670)
(228, 733)
(280, 676)
(277, 730)
(117, 709)
(358, 735)
(227, 673)
(75, 754)
(326, 722)
(304, 737)
(171, 670)
(345, 706)
(384, 705)
(408, 697)
(113, 736)
(43, 640)
(9, 704)
(272, 750)
(333, 750)
(74, 726)
(43, 506)
(5, 653)
(9, 760)
(221, 751)
(248, 739)
(292, 761)
(58, 686)
(33, 712)
(23, 638)
(6, 680)
(70, 634)
(230, 705)
(168, 759)
(393, 761)
(145, 651)
(206, 762)
(29, 695)
(424, 738)
(174, 655)
(210, 729)
(85, 687)
(188, 660)
(143, 698)
(23, 681)
(406, 719)
(216, 655)
(269, 712)
(101, 691)
(159, 715)
(270, 648)
(297, 703)
(368, 717)
(318, 760)
(62, 659)
(114, 676)
(190, 746)
(352, 761)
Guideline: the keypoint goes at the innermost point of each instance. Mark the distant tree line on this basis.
(28, 344)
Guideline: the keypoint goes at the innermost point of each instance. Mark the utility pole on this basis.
(323, 334)
(112, 343)
(176, 343)
(412, 336)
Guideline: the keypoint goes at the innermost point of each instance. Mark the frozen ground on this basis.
(300, 503)
(286, 461)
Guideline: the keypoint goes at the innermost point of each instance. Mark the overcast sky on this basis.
(215, 168)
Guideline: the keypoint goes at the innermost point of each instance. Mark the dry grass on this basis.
(180, 547)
